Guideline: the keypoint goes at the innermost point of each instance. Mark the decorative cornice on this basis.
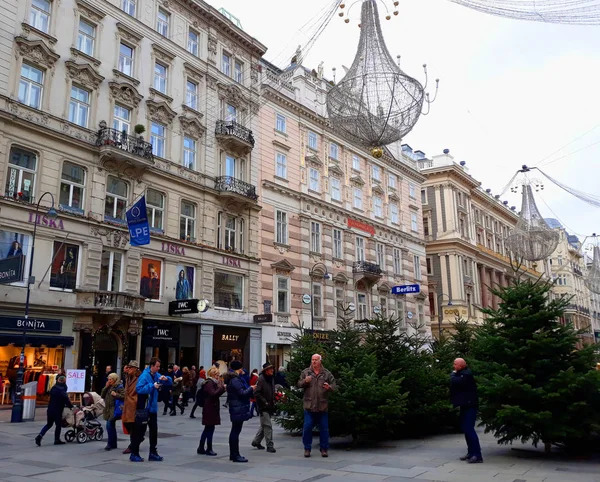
(233, 95)
(91, 60)
(378, 189)
(163, 54)
(313, 159)
(120, 75)
(157, 94)
(356, 179)
(36, 51)
(283, 265)
(27, 29)
(128, 34)
(193, 112)
(191, 127)
(89, 11)
(84, 74)
(193, 72)
(160, 112)
(281, 145)
(125, 93)
(335, 168)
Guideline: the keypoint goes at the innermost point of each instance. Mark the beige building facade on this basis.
(79, 81)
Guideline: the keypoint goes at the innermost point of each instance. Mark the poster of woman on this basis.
(64, 266)
(150, 280)
(184, 289)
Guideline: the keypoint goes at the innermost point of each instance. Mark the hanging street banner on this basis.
(137, 222)
(405, 289)
(11, 269)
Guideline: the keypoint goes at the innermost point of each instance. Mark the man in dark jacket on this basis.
(463, 394)
(265, 402)
(58, 401)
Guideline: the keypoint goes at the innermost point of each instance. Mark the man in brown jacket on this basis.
(132, 372)
(317, 382)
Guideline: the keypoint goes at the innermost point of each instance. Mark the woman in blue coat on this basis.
(238, 398)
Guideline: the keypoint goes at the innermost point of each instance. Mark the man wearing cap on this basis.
(132, 373)
(265, 402)
(59, 399)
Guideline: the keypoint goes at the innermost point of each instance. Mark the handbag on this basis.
(118, 413)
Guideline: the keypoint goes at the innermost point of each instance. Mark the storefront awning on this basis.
(36, 340)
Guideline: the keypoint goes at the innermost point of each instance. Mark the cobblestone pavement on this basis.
(430, 459)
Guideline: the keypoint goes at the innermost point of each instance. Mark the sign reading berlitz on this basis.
(356, 224)
(14, 323)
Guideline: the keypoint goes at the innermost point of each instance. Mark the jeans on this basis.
(468, 417)
(111, 431)
(234, 438)
(310, 420)
(207, 437)
(55, 420)
(140, 431)
(265, 430)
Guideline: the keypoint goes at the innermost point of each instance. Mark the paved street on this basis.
(433, 459)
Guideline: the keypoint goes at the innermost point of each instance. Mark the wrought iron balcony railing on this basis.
(367, 268)
(134, 145)
(234, 129)
(231, 184)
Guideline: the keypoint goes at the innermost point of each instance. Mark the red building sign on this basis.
(367, 228)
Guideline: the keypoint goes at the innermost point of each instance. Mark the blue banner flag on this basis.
(137, 221)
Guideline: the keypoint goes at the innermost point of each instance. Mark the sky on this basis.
(511, 92)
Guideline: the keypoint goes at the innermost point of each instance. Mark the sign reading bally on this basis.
(367, 228)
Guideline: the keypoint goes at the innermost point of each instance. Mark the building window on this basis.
(31, 86)
(79, 107)
(72, 187)
(336, 189)
(317, 300)
(392, 181)
(160, 77)
(162, 23)
(283, 294)
(128, 6)
(226, 64)
(281, 231)
(560, 260)
(20, 181)
(313, 183)
(231, 114)
(400, 313)
(417, 267)
(191, 95)
(378, 206)
(111, 271)
(339, 302)
(126, 59)
(230, 233)
(429, 267)
(312, 140)
(414, 222)
(281, 166)
(412, 190)
(280, 123)
(361, 305)
(64, 267)
(383, 305)
(189, 153)
(333, 151)
(315, 237)
(238, 72)
(337, 244)
(86, 37)
(360, 249)
(395, 213)
(157, 138)
(155, 206)
(39, 15)
(192, 45)
(355, 162)
(229, 291)
(187, 221)
(357, 198)
(397, 261)
(116, 198)
(376, 173)
(459, 197)
(380, 249)
(121, 119)
(423, 196)
(233, 167)
(421, 314)
(426, 231)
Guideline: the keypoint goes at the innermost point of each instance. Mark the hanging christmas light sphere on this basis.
(532, 238)
(592, 280)
(375, 103)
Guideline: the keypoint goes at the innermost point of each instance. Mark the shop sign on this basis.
(161, 332)
(43, 220)
(172, 248)
(15, 323)
(179, 307)
(230, 337)
(321, 335)
(75, 381)
(404, 289)
(227, 261)
(266, 318)
(11, 269)
(284, 335)
(356, 224)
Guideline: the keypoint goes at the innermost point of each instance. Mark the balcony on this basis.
(124, 148)
(234, 136)
(369, 271)
(110, 302)
(230, 186)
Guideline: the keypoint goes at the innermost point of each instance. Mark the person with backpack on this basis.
(208, 398)
(113, 394)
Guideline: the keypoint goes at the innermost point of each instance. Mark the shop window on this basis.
(283, 294)
(72, 187)
(229, 290)
(111, 271)
(14, 244)
(116, 199)
(184, 288)
(65, 263)
(150, 278)
(20, 181)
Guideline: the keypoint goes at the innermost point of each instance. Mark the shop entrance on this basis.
(106, 353)
(231, 344)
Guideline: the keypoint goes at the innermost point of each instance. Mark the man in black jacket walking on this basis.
(463, 393)
(265, 401)
(58, 401)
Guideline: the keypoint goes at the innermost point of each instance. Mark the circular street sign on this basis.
(351, 306)
(306, 299)
(409, 315)
(377, 309)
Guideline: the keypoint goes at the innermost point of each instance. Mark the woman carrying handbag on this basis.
(208, 396)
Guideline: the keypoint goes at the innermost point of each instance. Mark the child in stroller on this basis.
(83, 420)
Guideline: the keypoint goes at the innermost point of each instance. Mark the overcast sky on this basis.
(511, 92)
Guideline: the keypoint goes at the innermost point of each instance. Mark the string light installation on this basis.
(375, 103)
(592, 280)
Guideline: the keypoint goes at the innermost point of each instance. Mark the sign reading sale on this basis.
(75, 381)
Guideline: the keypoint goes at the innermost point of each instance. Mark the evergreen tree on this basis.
(534, 382)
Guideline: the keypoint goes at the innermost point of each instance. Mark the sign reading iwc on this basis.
(11, 269)
(180, 307)
(14, 323)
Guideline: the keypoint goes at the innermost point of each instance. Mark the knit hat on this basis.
(133, 364)
(235, 365)
(267, 366)
(61, 379)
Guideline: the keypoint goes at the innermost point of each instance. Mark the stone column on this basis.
(256, 348)
(206, 345)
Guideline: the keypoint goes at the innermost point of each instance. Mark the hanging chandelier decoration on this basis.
(592, 280)
(375, 103)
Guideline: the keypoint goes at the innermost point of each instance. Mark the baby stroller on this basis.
(88, 428)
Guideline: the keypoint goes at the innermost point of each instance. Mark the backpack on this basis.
(200, 396)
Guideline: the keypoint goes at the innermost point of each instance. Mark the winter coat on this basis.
(315, 395)
(131, 397)
(109, 400)
(145, 386)
(211, 410)
(59, 399)
(187, 381)
(177, 388)
(238, 397)
(265, 394)
(463, 389)
(280, 379)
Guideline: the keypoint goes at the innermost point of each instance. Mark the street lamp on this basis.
(17, 408)
(440, 313)
(312, 298)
